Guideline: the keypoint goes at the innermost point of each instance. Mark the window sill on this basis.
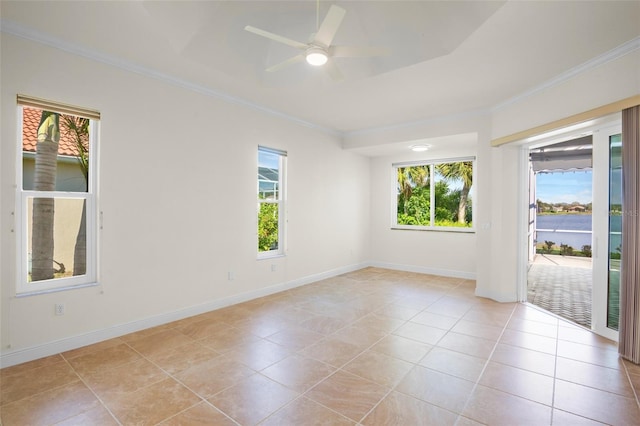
(267, 255)
(55, 290)
(435, 229)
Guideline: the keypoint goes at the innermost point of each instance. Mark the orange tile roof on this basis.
(30, 123)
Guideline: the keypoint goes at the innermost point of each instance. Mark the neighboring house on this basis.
(69, 178)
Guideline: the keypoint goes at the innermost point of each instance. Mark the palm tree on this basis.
(408, 179)
(43, 207)
(404, 189)
(460, 171)
(78, 127)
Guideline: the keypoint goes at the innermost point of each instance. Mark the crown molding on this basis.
(10, 27)
(610, 56)
(17, 30)
(439, 119)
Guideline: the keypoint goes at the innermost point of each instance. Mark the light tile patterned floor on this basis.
(562, 290)
(372, 347)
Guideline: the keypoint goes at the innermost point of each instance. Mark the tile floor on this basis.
(372, 347)
(562, 285)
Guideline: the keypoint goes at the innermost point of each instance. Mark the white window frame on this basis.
(23, 286)
(280, 201)
(432, 174)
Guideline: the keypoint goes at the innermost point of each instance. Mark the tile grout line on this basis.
(169, 375)
(417, 363)
(391, 388)
(102, 403)
(484, 367)
(379, 296)
(340, 368)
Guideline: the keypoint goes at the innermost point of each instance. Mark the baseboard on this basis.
(51, 348)
(498, 297)
(425, 270)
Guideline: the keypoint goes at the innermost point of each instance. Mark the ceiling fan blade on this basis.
(276, 37)
(283, 64)
(357, 51)
(329, 26)
(333, 70)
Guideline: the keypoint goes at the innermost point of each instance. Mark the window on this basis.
(433, 195)
(271, 201)
(56, 200)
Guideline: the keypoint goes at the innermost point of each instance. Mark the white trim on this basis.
(22, 286)
(432, 194)
(497, 296)
(280, 201)
(600, 229)
(434, 161)
(612, 55)
(599, 271)
(459, 116)
(451, 273)
(18, 30)
(74, 342)
(522, 251)
(469, 230)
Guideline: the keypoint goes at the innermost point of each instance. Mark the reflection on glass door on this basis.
(607, 207)
(615, 230)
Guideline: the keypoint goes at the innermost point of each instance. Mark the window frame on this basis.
(432, 182)
(280, 201)
(23, 286)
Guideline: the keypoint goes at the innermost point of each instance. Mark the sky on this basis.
(564, 187)
(267, 159)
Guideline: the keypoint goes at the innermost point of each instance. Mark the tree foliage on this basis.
(77, 128)
(459, 171)
(268, 227)
(49, 130)
(414, 196)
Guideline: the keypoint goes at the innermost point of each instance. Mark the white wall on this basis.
(178, 174)
(497, 259)
(446, 253)
(491, 254)
(178, 190)
(441, 253)
(600, 85)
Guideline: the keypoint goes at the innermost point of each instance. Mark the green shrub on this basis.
(566, 250)
(268, 227)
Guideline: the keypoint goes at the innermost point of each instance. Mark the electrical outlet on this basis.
(231, 276)
(59, 308)
(274, 267)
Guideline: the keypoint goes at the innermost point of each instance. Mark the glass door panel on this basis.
(606, 229)
(615, 230)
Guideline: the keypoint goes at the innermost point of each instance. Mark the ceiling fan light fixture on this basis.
(420, 148)
(316, 56)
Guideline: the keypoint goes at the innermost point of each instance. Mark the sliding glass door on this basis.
(615, 230)
(595, 148)
(607, 226)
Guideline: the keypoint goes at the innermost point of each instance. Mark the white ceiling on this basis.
(447, 57)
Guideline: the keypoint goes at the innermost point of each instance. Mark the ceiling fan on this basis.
(319, 51)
